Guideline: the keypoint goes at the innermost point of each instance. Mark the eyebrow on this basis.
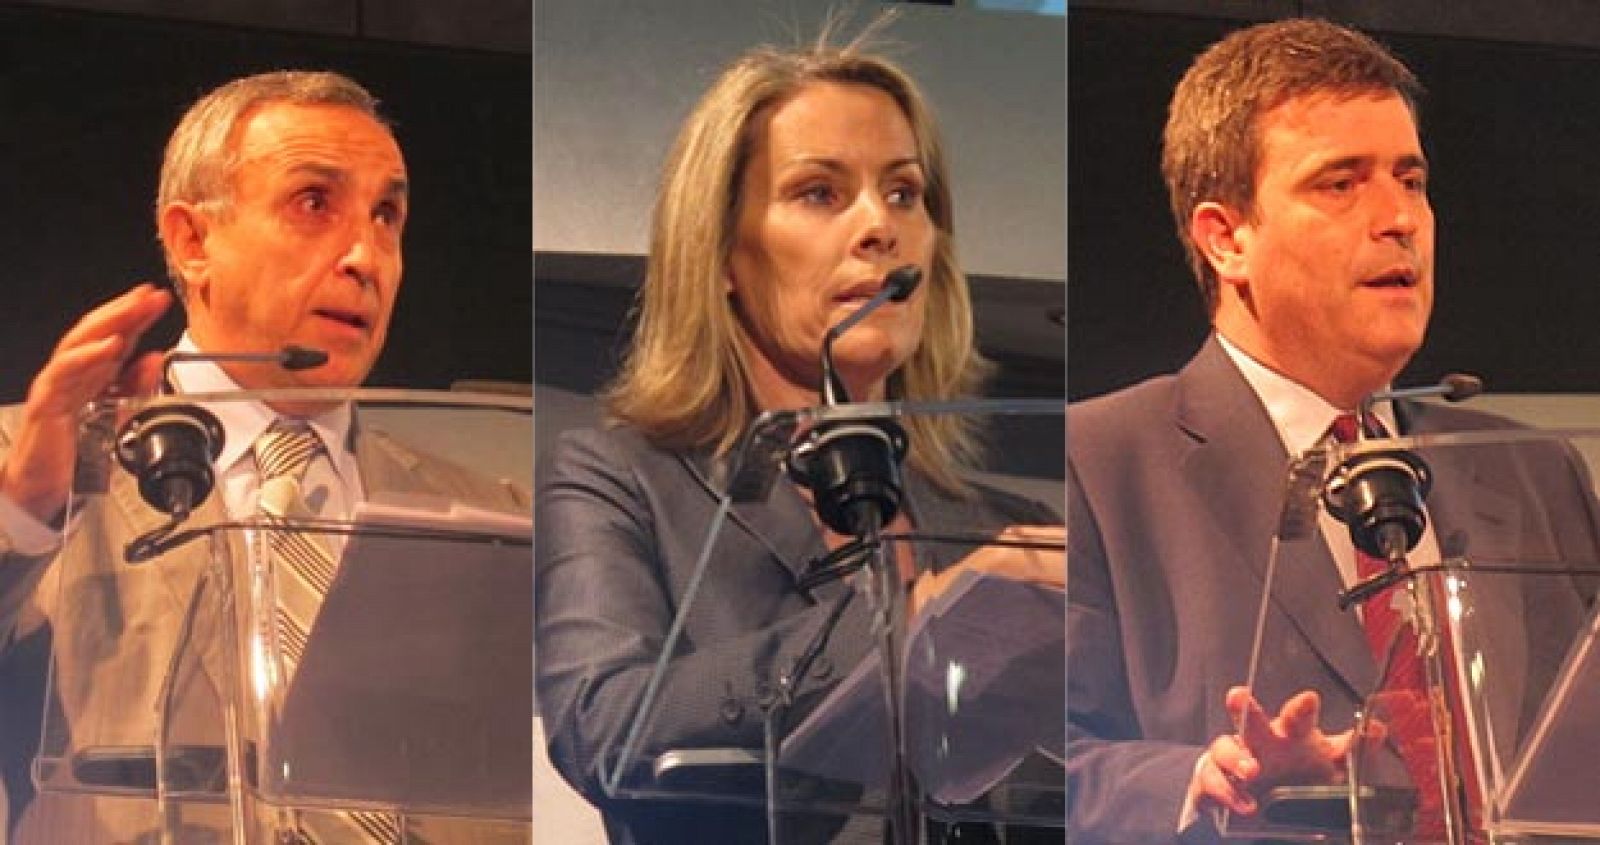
(397, 187)
(1405, 162)
(839, 166)
(1413, 160)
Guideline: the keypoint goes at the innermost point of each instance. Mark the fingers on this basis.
(142, 376)
(1373, 732)
(129, 315)
(88, 360)
(91, 356)
(1224, 778)
(1040, 566)
(1035, 533)
(1252, 723)
(75, 375)
(1299, 715)
(926, 587)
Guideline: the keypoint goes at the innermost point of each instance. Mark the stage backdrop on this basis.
(1509, 128)
(87, 100)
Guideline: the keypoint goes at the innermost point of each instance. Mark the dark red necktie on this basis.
(1402, 702)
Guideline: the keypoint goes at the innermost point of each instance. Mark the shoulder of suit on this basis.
(1124, 414)
(437, 474)
(1002, 506)
(1433, 417)
(615, 455)
(615, 447)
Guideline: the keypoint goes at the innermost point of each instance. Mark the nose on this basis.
(361, 258)
(878, 236)
(1399, 210)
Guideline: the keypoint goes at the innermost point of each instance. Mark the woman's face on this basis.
(832, 200)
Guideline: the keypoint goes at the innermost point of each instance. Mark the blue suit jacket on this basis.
(1174, 491)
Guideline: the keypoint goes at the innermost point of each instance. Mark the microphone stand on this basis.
(1406, 485)
(1422, 616)
(888, 604)
(853, 473)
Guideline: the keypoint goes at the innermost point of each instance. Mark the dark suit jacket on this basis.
(124, 622)
(619, 525)
(1174, 491)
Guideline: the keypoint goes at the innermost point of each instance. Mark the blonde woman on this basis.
(801, 179)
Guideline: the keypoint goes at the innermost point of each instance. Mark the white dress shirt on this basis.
(332, 483)
(1302, 419)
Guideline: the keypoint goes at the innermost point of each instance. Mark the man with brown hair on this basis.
(1299, 188)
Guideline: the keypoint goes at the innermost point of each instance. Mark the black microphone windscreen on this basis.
(1461, 386)
(902, 281)
(301, 358)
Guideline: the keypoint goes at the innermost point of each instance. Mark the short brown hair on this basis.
(1211, 147)
(684, 381)
(202, 153)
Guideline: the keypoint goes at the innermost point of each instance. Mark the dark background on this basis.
(1511, 129)
(87, 99)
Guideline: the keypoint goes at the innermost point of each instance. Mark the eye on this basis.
(1415, 181)
(390, 214)
(905, 196)
(315, 201)
(1340, 185)
(819, 193)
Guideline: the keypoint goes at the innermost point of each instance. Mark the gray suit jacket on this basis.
(619, 527)
(1174, 491)
(125, 620)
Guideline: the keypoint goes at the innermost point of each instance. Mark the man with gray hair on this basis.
(283, 198)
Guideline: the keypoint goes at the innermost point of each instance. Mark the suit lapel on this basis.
(384, 467)
(1238, 462)
(782, 524)
(180, 567)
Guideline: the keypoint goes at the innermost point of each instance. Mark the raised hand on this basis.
(91, 360)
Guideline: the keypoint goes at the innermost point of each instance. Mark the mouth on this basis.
(859, 292)
(1397, 278)
(353, 319)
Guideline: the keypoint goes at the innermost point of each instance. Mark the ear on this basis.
(183, 227)
(1222, 235)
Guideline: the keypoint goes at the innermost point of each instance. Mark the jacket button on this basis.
(765, 695)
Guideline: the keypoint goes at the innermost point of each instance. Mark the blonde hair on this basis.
(202, 154)
(1211, 147)
(684, 382)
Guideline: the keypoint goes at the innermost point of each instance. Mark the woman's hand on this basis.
(1040, 566)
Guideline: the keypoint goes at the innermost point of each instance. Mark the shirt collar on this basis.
(243, 422)
(1300, 416)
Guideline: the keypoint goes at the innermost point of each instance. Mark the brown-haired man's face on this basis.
(308, 252)
(1336, 261)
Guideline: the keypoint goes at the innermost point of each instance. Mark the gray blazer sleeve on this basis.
(618, 525)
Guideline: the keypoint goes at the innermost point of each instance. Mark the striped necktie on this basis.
(302, 572)
(302, 566)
